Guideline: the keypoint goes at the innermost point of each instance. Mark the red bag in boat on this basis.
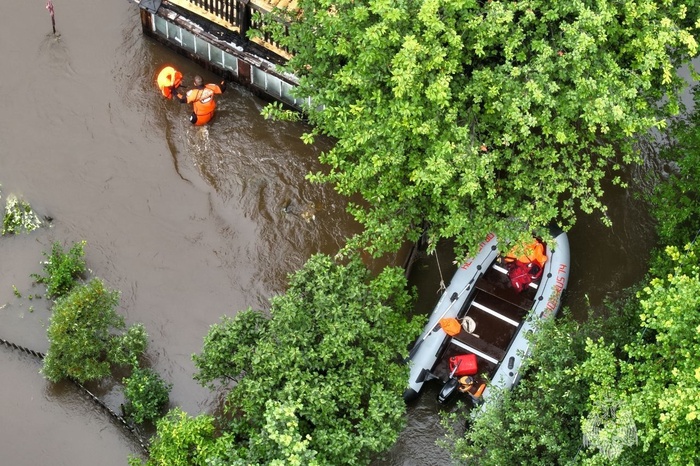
(522, 274)
(465, 364)
(519, 276)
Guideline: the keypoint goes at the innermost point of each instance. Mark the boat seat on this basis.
(476, 345)
(497, 284)
(494, 304)
(491, 325)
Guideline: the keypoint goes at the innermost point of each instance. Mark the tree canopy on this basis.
(623, 387)
(318, 381)
(87, 336)
(654, 389)
(456, 117)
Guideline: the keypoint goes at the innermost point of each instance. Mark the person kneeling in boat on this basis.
(202, 100)
(169, 80)
(526, 267)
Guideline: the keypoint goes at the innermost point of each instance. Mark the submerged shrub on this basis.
(81, 334)
(19, 217)
(130, 346)
(146, 394)
(62, 269)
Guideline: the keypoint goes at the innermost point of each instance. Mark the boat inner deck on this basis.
(498, 310)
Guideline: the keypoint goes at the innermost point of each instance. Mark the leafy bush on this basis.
(62, 269)
(328, 364)
(129, 346)
(81, 334)
(182, 441)
(146, 394)
(19, 217)
(676, 201)
(653, 387)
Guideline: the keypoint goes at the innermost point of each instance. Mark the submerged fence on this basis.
(129, 427)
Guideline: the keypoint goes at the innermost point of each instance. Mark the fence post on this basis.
(244, 17)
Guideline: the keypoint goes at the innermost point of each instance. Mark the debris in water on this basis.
(285, 205)
(49, 6)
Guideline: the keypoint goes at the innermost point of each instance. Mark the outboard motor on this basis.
(448, 390)
(450, 386)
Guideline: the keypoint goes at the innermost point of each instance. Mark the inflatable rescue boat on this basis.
(475, 339)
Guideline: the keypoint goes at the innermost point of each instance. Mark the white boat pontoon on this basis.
(495, 315)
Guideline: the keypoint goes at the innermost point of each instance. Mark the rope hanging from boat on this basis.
(442, 280)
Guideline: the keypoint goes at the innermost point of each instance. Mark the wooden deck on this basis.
(290, 5)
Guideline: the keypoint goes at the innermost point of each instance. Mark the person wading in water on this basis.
(202, 99)
(169, 80)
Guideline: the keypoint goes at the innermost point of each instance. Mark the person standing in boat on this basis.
(202, 99)
(169, 80)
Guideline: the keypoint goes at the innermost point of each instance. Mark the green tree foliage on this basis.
(321, 379)
(217, 363)
(83, 334)
(676, 201)
(62, 269)
(282, 432)
(461, 115)
(129, 346)
(625, 389)
(146, 395)
(657, 385)
(539, 421)
(182, 441)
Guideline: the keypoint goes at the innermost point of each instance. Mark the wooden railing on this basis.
(237, 16)
(225, 10)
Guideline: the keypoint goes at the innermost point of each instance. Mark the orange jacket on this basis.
(203, 103)
(169, 79)
(533, 252)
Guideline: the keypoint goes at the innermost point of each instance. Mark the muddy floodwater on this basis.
(187, 223)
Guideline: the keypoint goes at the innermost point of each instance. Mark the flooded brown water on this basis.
(187, 223)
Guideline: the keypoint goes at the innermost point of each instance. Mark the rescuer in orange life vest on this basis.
(202, 99)
(169, 80)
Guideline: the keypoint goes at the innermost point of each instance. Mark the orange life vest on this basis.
(528, 266)
(533, 252)
(465, 383)
(168, 80)
(203, 103)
